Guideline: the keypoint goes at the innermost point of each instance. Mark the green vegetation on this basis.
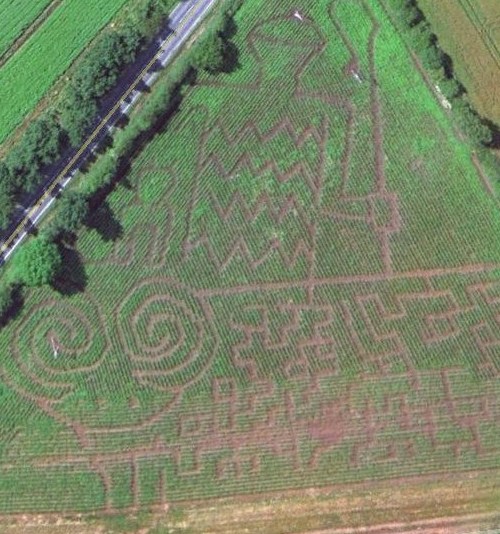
(422, 38)
(37, 263)
(73, 210)
(61, 38)
(296, 285)
(40, 146)
(17, 15)
(96, 75)
(97, 72)
(209, 55)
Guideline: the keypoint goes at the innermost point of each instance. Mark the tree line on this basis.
(48, 136)
(425, 42)
(40, 259)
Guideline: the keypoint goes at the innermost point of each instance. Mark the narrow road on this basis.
(182, 22)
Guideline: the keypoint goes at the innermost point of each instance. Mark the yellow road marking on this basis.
(95, 133)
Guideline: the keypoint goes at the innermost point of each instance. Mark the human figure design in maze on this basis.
(275, 188)
(145, 242)
(111, 381)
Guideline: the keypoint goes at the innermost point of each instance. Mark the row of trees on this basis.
(425, 43)
(39, 261)
(96, 75)
(47, 137)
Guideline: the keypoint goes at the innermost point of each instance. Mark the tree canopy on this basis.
(209, 55)
(37, 263)
(72, 211)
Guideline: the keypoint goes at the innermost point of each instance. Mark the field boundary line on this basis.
(485, 37)
(35, 25)
(17, 232)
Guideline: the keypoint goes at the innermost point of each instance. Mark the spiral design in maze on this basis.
(55, 345)
(166, 333)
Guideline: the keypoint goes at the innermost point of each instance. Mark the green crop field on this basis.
(17, 16)
(299, 286)
(34, 68)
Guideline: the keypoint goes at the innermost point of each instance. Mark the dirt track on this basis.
(455, 506)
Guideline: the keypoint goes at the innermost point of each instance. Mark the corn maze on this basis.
(305, 292)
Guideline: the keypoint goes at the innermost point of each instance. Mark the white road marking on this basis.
(176, 16)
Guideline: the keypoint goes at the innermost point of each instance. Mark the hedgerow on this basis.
(47, 138)
(426, 44)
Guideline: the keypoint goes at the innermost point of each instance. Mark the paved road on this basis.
(183, 20)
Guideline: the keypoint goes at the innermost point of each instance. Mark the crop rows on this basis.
(30, 73)
(17, 16)
(281, 297)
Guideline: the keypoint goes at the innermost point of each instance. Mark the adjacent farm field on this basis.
(17, 15)
(297, 286)
(30, 73)
(469, 31)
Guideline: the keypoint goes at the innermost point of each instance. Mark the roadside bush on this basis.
(151, 14)
(37, 263)
(72, 211)
(471, 124)
(209, 54)
(6, 300)
(39, 146)
(451, 88)
(77, 115)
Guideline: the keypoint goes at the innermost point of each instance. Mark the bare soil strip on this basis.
(30, 30)
(453, 505)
